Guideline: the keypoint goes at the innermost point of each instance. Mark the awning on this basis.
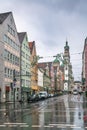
(25, 89)
(7, 88)
(35, 88)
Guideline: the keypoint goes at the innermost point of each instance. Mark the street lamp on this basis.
(14, 84)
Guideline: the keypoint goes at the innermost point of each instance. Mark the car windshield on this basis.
(75, 90)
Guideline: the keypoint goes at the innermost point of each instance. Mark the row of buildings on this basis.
(20, 71)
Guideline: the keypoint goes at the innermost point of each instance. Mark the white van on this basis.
(43, 94)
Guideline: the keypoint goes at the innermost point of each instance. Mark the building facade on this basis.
(25, 66)
(68, 74)
(34, 67)
(9, 58)
(47, 81)
(58, 75)
(40, 79)
(84, 65)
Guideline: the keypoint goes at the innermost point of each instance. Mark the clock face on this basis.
(66, 86)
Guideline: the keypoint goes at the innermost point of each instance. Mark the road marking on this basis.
(48, 126)
(2, 125)
(24, 125)
(10, 123)
(75, 127)
(2, 109)
(36, 125)
(45, 126)
(65, 125)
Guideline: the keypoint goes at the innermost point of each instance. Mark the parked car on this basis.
(75, 91)
(43, 94)
(34, 98)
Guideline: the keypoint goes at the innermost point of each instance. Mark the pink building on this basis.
(84, 64)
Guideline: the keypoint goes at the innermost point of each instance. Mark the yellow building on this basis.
(34, 67)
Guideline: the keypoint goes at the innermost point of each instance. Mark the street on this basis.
(59, 113)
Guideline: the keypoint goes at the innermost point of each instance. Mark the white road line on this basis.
(36, 125)
(24, 125)
(63, 124)
(2, 125)
(2, 109)
(10, 123)
(48, 126)
(76, 127)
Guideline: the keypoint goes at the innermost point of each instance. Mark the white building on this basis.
(9, 58)
(68, 75)
(40, 78)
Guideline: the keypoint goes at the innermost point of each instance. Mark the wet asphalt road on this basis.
(59, 113)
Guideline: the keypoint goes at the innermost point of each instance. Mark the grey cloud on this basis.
(50, 22)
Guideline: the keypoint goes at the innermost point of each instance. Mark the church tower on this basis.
(67, 69)
(66, 52)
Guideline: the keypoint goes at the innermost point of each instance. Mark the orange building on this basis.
(34, 67)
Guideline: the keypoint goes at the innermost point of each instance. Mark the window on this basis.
(23, 82)
(8, 55)
(5, 38)
(11, 73)
(5, 71)
(27, 83)
(13, 59)
(8, 72)
(5, 54)
(11, 31)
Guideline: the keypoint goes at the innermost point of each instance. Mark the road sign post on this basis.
(14, 85)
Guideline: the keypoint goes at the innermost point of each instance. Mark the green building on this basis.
(24, 65)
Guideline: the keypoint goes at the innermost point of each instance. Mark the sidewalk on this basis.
(85, 107)
(11, 105)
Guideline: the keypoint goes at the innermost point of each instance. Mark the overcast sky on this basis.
(49, 23)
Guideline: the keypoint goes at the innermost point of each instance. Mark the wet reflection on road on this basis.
(64, 113)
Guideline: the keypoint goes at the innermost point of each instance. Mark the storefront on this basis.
(34, 89)
(7, 90)
(25, 93)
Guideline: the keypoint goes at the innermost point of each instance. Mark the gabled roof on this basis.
(56, 60)
(3, 16)
(44, 64)
(31, 45)
(21, 36)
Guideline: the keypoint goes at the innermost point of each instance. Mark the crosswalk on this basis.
(24, 125)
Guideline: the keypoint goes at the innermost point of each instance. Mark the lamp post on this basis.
(55, 77)
(14, 84)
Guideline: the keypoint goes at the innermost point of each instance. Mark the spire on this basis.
(86, 40)
(66, 46)
(56, 60)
